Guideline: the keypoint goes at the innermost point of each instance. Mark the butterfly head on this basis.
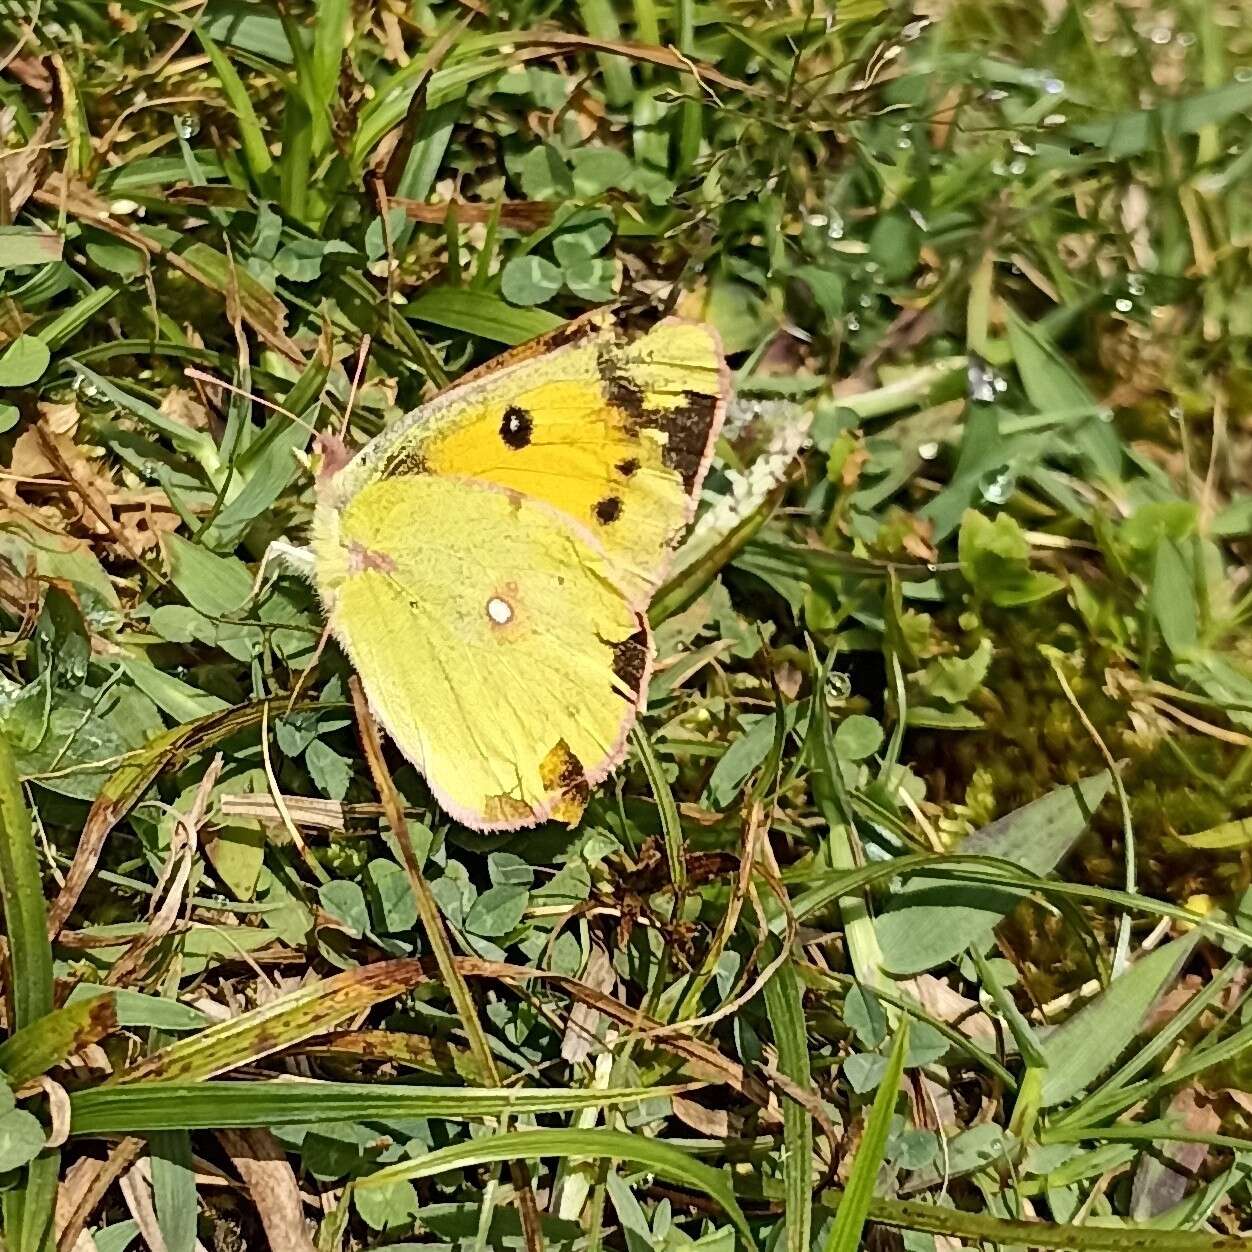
(330, 455)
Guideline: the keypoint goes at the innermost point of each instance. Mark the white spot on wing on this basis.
(500, 611)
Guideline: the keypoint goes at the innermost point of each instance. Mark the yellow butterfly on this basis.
(487, 562)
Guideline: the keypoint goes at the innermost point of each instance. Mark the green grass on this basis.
(864, 941)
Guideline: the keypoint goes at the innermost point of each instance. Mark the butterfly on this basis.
(487, 562)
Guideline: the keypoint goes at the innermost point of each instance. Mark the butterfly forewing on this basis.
(614, 433)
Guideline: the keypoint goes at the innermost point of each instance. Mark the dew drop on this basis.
(186, 125)
(928, 451)
(1053, 86)
(998, 486)
(834, 229)
(1161, 35)
(1243, 74)
(838, 685)
(852, 322)
(980, 380)
(1123, 305)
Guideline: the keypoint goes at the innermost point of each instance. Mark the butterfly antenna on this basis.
(307, 670)
(362, 354)
(201, 376)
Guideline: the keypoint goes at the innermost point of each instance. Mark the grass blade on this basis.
(854, 1208)
(126, 785)
(653, 1154)
(49, 1040)
(174, 1188)
(671, 826)
(256, 154)
(151, 1107)
(785, 1006)
(307, 1011)
(28, 1208)
(1086, 1044)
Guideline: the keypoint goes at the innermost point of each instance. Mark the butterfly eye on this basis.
(500, 611)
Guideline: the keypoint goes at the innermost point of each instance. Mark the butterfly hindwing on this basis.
(491, 640)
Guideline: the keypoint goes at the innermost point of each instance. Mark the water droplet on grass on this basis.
(998, 486)
(981, 382)
(838, 685)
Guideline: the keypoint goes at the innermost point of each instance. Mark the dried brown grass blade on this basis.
(120, 1159)
(271, 1182)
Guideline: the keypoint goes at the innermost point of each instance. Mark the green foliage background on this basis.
(918, 912)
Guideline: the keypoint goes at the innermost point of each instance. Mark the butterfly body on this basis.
(487, 562)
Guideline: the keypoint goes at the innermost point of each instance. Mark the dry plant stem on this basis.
(437, 936)
(1121, 954)
(270, 1180)
(120, 1160)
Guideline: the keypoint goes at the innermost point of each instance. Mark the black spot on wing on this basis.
(629, 467)
(608, 510)
(619, 390)
(562, 773)
(686, 427)
(516, 427)
(630, 660)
